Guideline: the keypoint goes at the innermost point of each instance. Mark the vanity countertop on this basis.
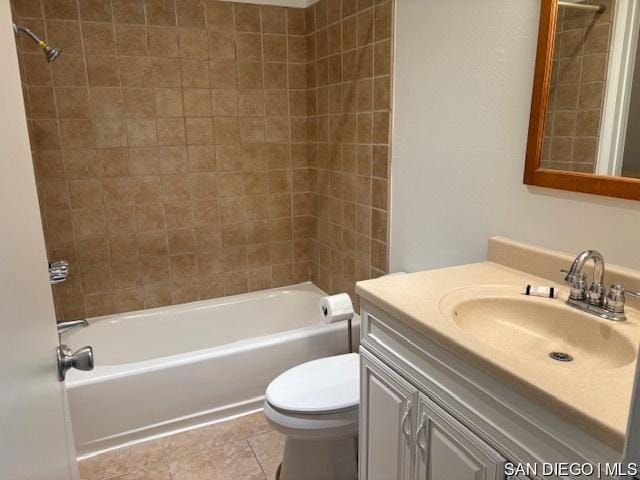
(595, 400)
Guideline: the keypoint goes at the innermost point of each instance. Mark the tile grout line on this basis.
(255, 455)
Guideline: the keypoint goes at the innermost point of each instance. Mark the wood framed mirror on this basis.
(584, 129)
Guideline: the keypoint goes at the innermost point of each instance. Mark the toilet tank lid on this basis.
(319, 386)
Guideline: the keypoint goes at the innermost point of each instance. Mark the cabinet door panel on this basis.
(387, 415)
(447, 450)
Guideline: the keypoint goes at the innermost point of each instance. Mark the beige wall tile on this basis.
(103, 71)
(41, 102)
(141, 132)
(248, 47)
(195, 139)
(110, 132)
(163, 41)
(160, 12)
(168, 102)
(131, 40)
(295, 21)
(247, 17)
(197, 102)
(165, 72)
(67, 71)
(64, 34)
(105, 102)
(60, 9)
(219, 15)
(195, 73)
(193, 43)
(128, 11)
(139, 102)
(95, 10)
(76, 133)
(190, 13)
(98, 38)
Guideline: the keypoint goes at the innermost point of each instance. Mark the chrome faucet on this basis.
(593, 300)
(574, 276)
(65, 326)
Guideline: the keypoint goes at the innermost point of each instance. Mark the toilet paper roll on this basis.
(336, 308)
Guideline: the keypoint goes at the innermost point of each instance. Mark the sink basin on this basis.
(537, 327)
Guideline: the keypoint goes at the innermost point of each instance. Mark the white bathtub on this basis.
(168, 369)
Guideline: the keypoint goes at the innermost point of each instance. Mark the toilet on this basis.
(315, 406)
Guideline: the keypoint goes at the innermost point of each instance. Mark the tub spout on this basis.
(63, 327)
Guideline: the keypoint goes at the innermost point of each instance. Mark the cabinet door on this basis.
(447, 450)
(388, 406)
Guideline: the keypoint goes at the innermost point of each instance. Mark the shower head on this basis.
(50, 53)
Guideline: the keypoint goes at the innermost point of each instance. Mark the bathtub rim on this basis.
(100, 373)
(220, 301)
(103, 373)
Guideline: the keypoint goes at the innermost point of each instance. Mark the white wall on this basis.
(464, 73)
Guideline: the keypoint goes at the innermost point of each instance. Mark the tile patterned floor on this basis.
(245, 448)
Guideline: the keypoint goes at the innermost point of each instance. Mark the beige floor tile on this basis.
(137, 460)
(216, 435)
(209, 453)
(229, 462)
(154, 472)
(191, 467)
(252, 425)
(268, 448)
(191, 442)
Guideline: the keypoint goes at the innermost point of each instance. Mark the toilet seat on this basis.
(318, 387)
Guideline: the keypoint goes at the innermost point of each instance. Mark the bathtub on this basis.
(169, 369)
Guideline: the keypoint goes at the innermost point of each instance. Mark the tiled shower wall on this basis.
(349, 45)
(578, 82)
(179, 148)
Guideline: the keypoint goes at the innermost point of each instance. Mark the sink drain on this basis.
(561, 356)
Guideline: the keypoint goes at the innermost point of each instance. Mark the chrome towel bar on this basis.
(583, 6)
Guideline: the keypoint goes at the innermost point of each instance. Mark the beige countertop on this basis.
(594, 400)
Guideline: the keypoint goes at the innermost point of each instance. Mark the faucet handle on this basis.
(615, 299)
(58, 271)
(596, 294)
(633, 294)
(578, 284)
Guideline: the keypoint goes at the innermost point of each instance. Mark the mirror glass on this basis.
(593, 112)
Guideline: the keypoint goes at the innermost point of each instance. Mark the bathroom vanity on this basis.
(457, 380)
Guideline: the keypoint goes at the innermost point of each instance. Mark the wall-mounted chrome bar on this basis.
(583, 6)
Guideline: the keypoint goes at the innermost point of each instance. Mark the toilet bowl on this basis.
(315, 406)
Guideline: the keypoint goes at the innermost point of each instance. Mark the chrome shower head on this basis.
(50, 53)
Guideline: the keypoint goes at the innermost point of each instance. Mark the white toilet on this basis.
(315, 405)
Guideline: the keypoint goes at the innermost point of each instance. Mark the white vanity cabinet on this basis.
(426, 414)
(405, 435)
(387, 420)
(447, 450)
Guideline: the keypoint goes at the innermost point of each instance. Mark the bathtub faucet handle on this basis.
(58, 271)
(82, 359)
